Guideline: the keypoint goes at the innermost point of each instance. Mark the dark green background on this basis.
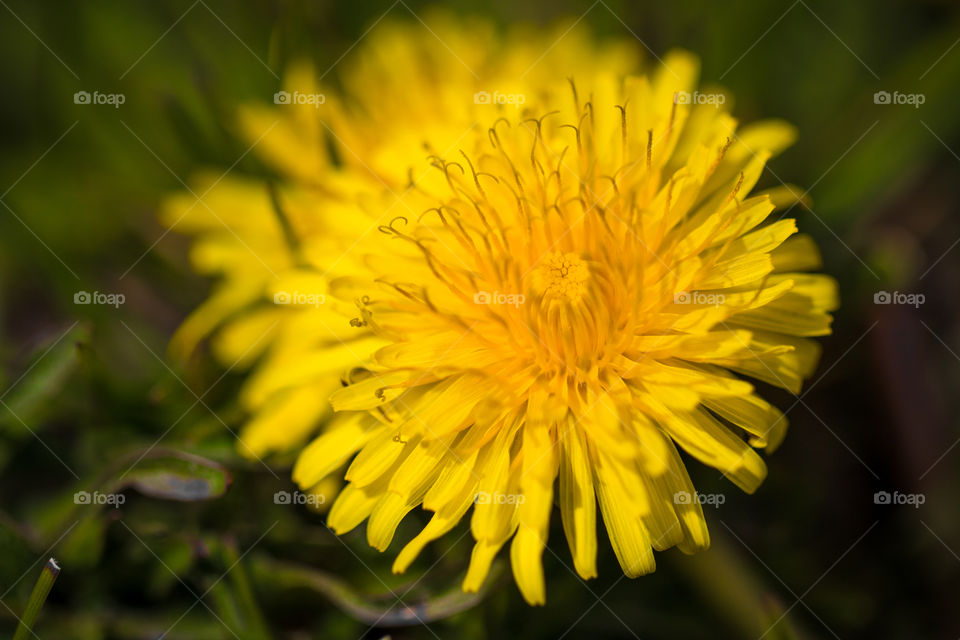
(80, 187)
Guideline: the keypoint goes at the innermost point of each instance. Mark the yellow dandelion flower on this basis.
(409, 90)
(570, 293)
(573, 295)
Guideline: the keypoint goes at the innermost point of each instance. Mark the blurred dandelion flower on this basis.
(575, 288)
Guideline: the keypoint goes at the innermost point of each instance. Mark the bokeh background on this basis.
(84, 389)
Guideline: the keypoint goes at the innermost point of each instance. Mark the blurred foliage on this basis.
(89, 404)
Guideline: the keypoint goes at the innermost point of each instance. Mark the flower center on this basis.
(563, 276)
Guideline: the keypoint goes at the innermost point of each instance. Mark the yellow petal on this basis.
(484, 551)
(578, 505)
(705, 438)
(628, 535)
(799, 253)
(540, 459)
(352, 506)
(285, 420)
(371, 392)
(754, 415)
(384, 519)
(384, 451)
(447, 515)
(344, 437)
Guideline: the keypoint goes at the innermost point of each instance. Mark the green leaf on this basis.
(174, 475)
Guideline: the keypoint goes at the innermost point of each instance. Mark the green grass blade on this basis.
(37, 598)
